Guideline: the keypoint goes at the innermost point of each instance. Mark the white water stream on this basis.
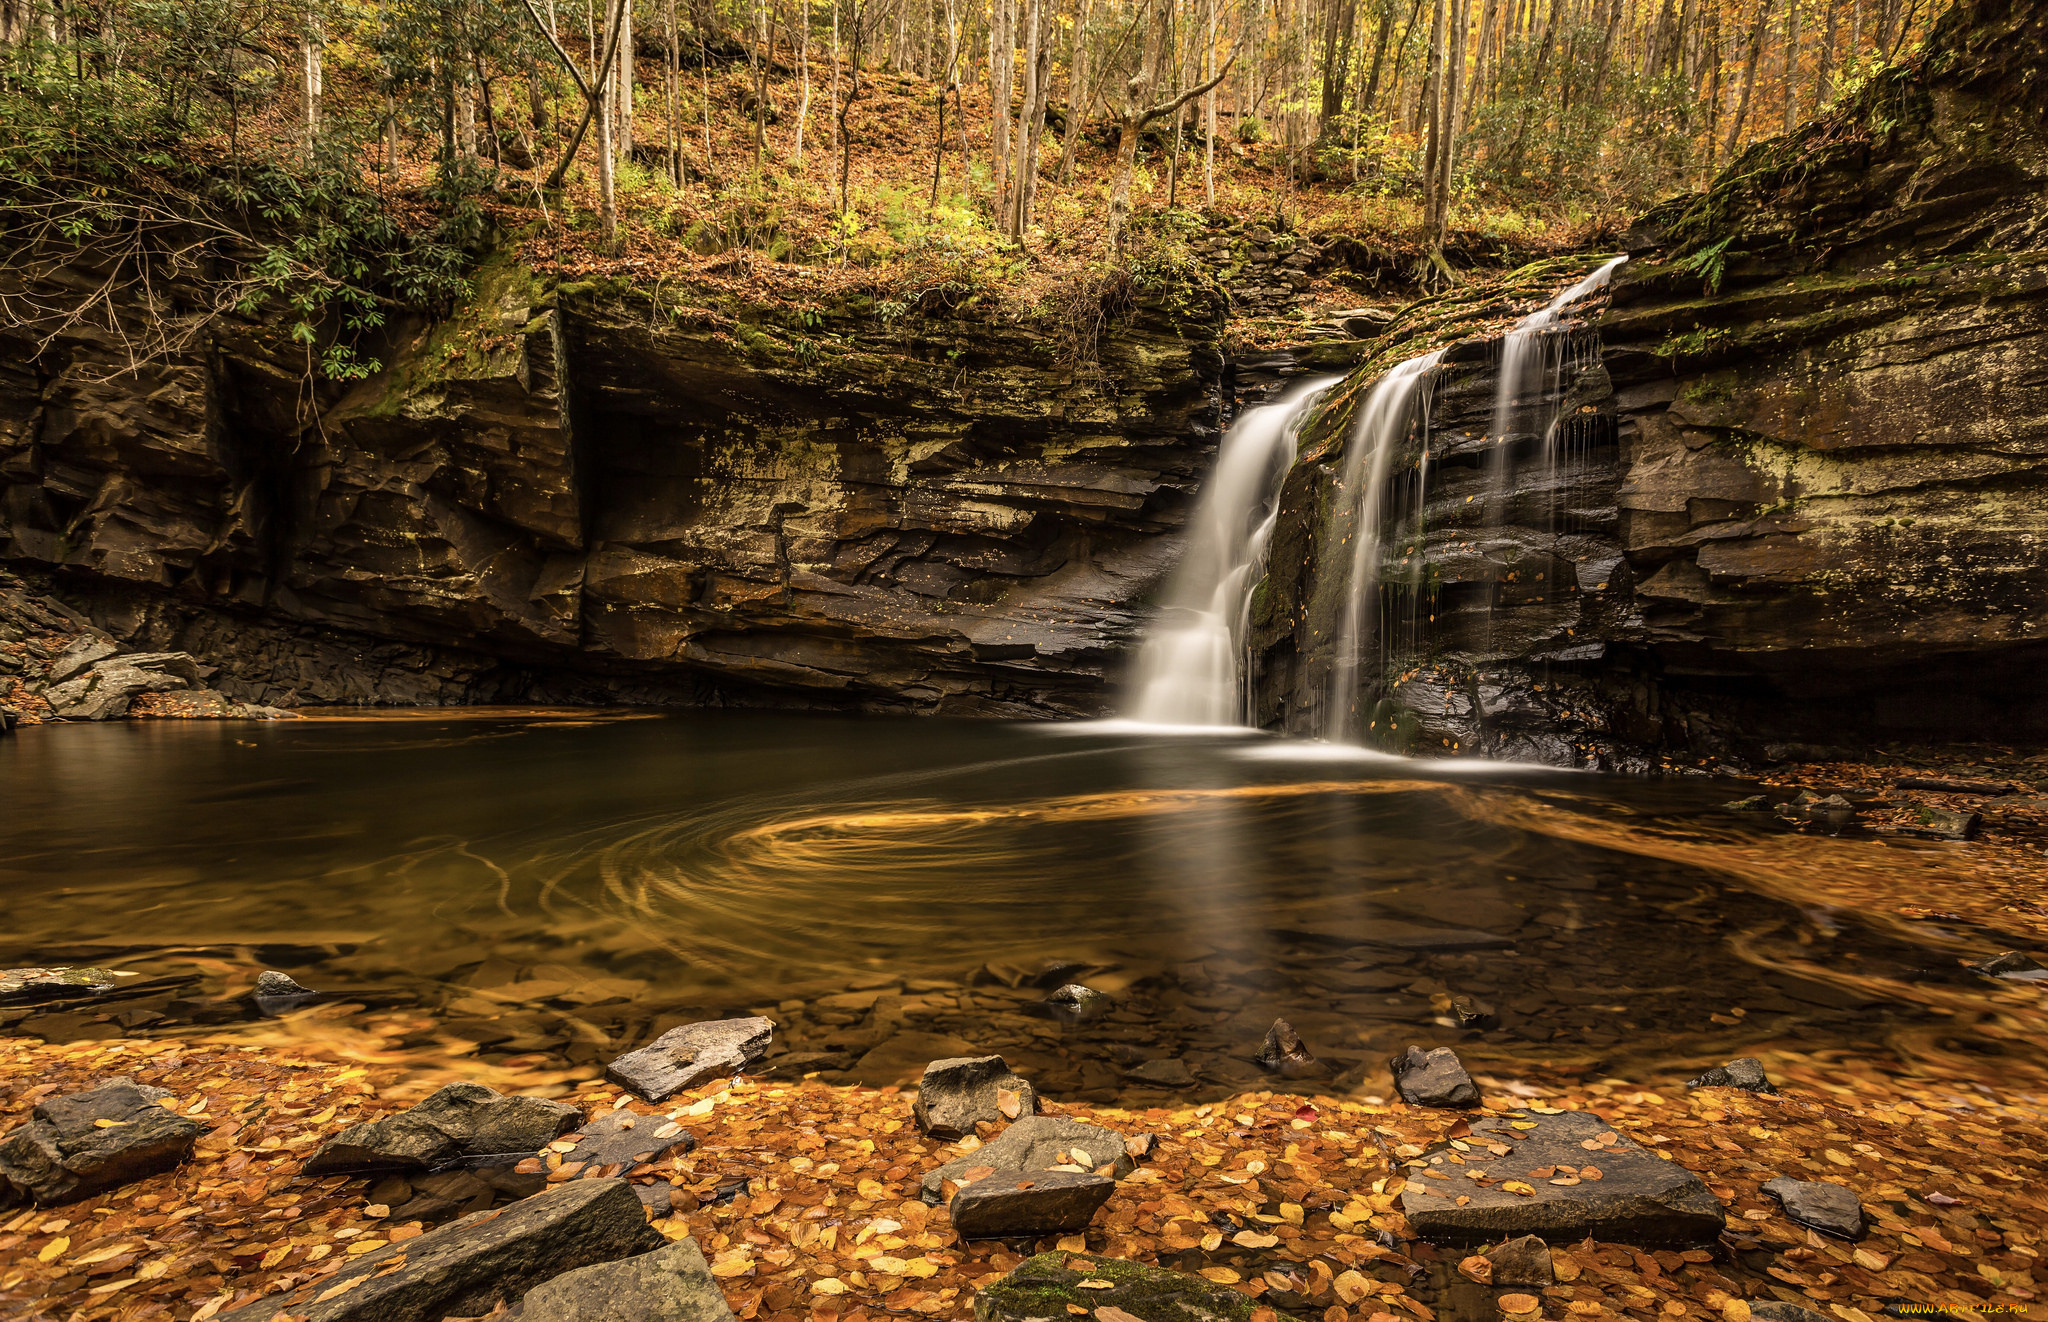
(1191, 669)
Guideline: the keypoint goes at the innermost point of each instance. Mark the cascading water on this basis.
(1399, 402)
(1191, 669)
(1532, 359)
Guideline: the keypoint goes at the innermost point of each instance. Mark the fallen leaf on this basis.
(1515, 1304)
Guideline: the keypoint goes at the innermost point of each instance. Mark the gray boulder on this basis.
(1828, 1208)
(1037, 1143)
(272, 985)
(34, 985)
(469, 1267)
(461, 1120)
(65, 1152)
(1746, 1073)
(692, 1054)
(960, 1092)
(1036, 1203)
(672, 1284)
(1635, 1198)
(1049, 1286)
(1284, 1053)
(1943, 823)
(1433, 1078)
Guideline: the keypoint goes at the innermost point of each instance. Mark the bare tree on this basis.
(1133, 116)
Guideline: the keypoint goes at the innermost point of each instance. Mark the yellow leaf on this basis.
(54, 1249)
(1248, 1239)
(1352, 1286)
(828, 1286)
(1221, 1275)
(1095, 1283)
(1517, 1186)
(101, 1255)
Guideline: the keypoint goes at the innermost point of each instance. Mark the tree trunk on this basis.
(1002, 45)
(1791, 97)
(1432, 110)
(1024, 167)
(624, 97)
(1080, 96)
(803, 64)
(1756, 50)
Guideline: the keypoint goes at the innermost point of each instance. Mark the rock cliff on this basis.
(582, 493)
(1802, 490)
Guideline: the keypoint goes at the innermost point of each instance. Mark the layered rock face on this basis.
(1799, 491)
(579, 494)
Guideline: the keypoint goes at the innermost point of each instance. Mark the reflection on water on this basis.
(532, 894)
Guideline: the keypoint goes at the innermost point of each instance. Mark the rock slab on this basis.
(1030, 1203)
(32, 986)
(469, 1267)
(960, 1092)
(692, 1054)
(1284, 1053)
(673, 1284)
(627, 1138)
(460, 1120)
(1637, 1197)
(1038, 1143)
(1828, 1208)
(1433, 1078)
(80, 1144)
(1049, 1286)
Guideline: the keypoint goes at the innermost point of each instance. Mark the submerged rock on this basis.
(692, 1054)
(2012, 966)
(1433, 1078)
(86, 1142)
(1575, 1178)
(1035, 1203)
(1075, 1003)
(960, 1092)
(1831, 812)
(672, 1284)
(1754, 803)
(1828, 1208)
(1050, 1286)
(1284, 1053)
(1167, 1072)
(460, 1120)
(469, 1267)
(272, 985)
(1746, 1073)
(33, 985)
(1524, 1261)
(1037, 1143)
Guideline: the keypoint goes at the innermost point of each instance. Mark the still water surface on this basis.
(523, 891)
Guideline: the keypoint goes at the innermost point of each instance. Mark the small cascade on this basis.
(1191, 669)
(1397, 406)
(1532, 362)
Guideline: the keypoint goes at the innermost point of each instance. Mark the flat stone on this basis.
(1433, 1078)
(1284, 1053)
(64, 1153)
(1955, 785)
(1167, 1072)
(672, 1284)
(1640, 1198)
(2012, 966)
(1049, 1286)
(692, 1054)
(35, 985)
(1829, 1208)
(1037, 1143)
(1028, 1203)
(80, 656)
(626, 1138)
(460, 1120)
(1746, 1073)
(469, 1267)
(104, 692)
(1524, 1261)
(1943, 823)
(960, 1092)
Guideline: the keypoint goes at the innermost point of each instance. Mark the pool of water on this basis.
(527, 894)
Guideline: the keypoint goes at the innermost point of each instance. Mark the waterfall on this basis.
(1529, 346)
(1191, 669)
(1398, 402)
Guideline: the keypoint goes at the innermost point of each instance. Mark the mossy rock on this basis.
(1045, 1286)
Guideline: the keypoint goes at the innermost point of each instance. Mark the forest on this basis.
(355, 153)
